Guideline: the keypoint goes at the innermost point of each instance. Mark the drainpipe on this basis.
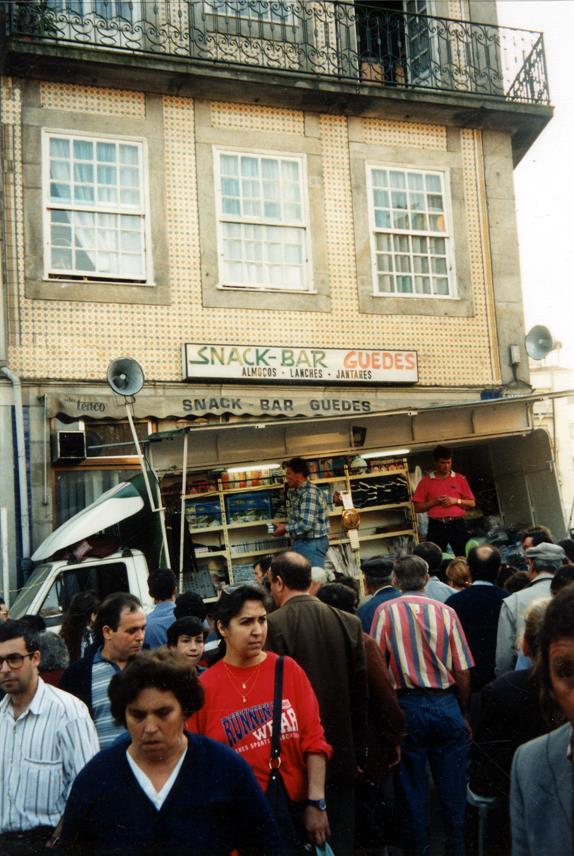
(21, 453)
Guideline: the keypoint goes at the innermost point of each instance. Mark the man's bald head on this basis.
(484, 562)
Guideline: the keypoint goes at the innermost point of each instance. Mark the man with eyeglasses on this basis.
(46, 738)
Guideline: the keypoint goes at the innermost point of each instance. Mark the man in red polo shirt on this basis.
(445, 496)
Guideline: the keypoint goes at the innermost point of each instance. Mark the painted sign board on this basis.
(299, 365)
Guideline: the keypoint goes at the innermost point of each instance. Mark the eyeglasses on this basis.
(15, 661)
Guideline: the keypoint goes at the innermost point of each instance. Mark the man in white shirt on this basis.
(46, 738)
(542, 561)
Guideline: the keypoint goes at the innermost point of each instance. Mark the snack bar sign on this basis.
(303, 365)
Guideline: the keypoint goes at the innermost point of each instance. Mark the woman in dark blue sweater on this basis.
(163, 790)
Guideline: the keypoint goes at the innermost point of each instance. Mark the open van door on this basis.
(525, 480)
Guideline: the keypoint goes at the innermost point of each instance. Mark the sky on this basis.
(544, 179)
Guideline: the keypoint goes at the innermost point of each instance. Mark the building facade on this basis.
(244, 176)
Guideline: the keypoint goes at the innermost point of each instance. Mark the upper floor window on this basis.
(268, 11)
(95, 208)
(261, 207)
(410, 233)
(105, 8)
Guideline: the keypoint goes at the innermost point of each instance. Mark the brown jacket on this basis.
(328, 645)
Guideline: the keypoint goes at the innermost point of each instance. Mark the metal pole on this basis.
(5, 565)
(183, 521)
(159, 509)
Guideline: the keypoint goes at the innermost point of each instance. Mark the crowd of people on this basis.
(300, 711)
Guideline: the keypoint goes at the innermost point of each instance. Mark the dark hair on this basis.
(442, 453)
(163, 670)
(558, 623)
(338, 595)
(377, 569)
(567, 545)
(233, 598)
(516, 582)
(298, 465)
(264, 562)
(34, 622)
(411, 573)
(76, 619)
(110, 610)
(162, 584)
(190, 625)
(431, 553)
(53, 653)
(293, 568)
(484, 563)
(189, 603)
(563, 577)
(18, 629)
(230, 604)
(539, 535)
(352, 583)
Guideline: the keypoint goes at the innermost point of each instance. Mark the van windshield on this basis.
(21, 605)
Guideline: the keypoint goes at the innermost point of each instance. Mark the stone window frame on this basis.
(275, 143)
(303, 225)
(36, 120)
(141, 212)
(445, 193)
(448, 161)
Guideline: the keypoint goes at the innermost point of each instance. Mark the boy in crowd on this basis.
(187, 637)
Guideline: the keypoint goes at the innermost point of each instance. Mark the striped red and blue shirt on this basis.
(423, 642)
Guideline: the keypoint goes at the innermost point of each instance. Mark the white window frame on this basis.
(143, 211)
(448, 235)
(89, 7)
(307, 266)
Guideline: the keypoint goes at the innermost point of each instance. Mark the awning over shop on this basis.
(164, 401)
(259, 442)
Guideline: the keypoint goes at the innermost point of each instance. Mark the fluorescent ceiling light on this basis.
(387, 453)
(249, 467)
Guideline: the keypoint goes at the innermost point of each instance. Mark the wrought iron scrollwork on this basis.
(369, 45)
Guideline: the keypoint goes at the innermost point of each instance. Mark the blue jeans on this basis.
(314, 550)
(436, 732)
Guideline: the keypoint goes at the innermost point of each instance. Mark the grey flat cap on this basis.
(550, 555)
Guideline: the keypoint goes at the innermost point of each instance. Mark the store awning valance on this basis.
(258, 442)
(164, 401)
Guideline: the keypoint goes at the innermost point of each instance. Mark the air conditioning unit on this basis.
(68, 447)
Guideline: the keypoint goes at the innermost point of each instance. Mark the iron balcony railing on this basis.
(352, 42)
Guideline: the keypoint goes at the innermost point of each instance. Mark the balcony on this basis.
(303, 42)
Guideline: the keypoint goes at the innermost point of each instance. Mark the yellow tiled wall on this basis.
(76, 340)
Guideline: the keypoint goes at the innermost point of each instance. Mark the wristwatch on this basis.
(320, 804)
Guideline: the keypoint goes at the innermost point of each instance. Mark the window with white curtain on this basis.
(95, 199)
(410, 233)
(262, 222)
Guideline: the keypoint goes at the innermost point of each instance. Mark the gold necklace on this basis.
(242, 686)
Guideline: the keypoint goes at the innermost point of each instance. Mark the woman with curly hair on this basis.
(160, 789)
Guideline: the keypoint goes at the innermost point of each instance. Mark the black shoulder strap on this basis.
(277, 705)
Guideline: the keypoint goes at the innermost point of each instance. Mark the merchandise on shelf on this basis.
(380, 491)
(248, 507)
(202, 514)
(243, 573)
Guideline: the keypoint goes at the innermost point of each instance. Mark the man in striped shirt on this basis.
(429, 662)
(46, 738)
(120, 624)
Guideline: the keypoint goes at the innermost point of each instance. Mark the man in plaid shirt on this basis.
(307, 513)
